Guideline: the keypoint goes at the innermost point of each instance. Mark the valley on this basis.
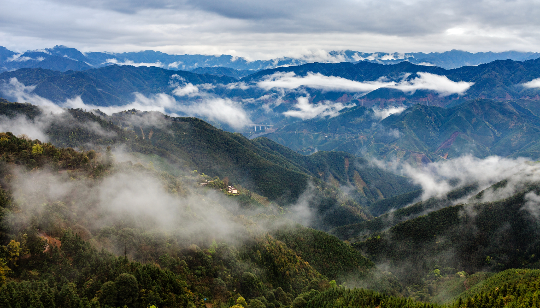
(313, 185)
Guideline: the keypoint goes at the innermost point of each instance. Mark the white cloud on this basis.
(322, 56)
(532, 204)
(439, 178)
(237, 85)
(24, 94)
(317, 81)
(159, 102)
(393, 56)
(18, 58)
(535, 83)
(137, 199)
(437, 83)
(218, 109)
(188, 89)
(384, 113)
(394, 133)
(357, 57)
(424, 81)
(174, 64)
(305, 110)
(22, 125)
(129, 62)
(35, 128)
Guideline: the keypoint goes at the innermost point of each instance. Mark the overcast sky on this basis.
(266, 29)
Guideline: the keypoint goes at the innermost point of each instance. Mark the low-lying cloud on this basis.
(216, 109)
(385, 113)
(535, 83)
(310, 56)
(305, 110)
(317, 81)
(131, 63)
(437, 83)
(532, 205)
(439, 178)
(24, 94)
(21, 125)
(424, 81)
(135, 199)
(188, 89)
(36, 127)
(20, 58)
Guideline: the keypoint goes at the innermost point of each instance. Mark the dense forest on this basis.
(86, 222)
(56, 255)
(260, 165)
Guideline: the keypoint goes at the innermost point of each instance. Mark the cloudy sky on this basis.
(266, 29)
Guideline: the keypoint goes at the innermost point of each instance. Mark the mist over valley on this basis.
(362, 179)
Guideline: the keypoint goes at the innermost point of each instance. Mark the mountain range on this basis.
(127, 180)
(421, 134)
(260, 165)
(62, 58)
(78, 229)
(363, 83)
(407, 113)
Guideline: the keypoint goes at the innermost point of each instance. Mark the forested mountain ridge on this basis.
(282, 100)
(57, 262)
(423, 133)
(472, 236)
(49, 256)
(50, 242)
(259, 165)
(499, 80)
(111, 85)
(77, 229)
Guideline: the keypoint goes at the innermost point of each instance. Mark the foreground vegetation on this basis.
(53, 256)
(76, 232)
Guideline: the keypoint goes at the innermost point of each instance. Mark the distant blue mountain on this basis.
(5, 54)
(62, 58)
(115, 85)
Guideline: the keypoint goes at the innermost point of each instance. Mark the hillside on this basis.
(471, 237)
(422, 133)
(77, 228)
(259, 165)
(500, 80)
(329, 87)
(58, 248)
(64, 248)
(111, 85)
(511, 287)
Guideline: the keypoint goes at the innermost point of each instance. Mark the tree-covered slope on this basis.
(340, 297)
(260, 165)
(343, 263)
(500, 80)
(494, 235)
(422, 133)
(106, 86)
(512, 288)
(61, 232)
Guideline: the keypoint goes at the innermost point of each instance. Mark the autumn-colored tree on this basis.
(37, 149)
